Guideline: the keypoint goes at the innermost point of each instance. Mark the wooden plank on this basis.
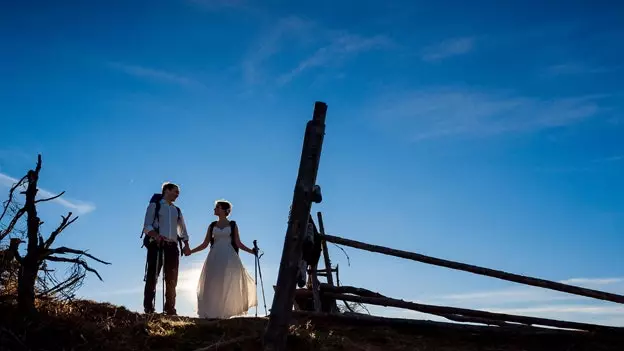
(330, 278)
(349, 290)
(438, 310)
(543, 283)
(420, 326)
(368, 293)
(326, 259)
(315, 292)
(281, 310)
(337, 276)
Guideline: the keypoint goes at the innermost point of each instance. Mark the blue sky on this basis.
(473, 132)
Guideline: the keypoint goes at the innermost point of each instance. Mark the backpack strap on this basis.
(210, 228)
(147, 239)
(232, 227)
(179, 238)
(157, 213)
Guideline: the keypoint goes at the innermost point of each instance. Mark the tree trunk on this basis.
(30, 263)
(26, 285)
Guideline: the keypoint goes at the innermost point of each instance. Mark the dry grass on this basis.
(87, 325)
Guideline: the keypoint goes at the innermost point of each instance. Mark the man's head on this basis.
(170, 191)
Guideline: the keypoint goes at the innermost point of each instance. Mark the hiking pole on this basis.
(161, 252)
(156, 272)
(261, 282)
(255, 243)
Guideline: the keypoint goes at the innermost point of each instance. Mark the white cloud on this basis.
(270, 43)
(525, 294)
(436, 113)
(448, 48)
(610, 159)
(339, 48)
(588, 282)
(218, 4)
(572, 68)
(155, 74)
(77, 206)
(289, 34)
(562, 309)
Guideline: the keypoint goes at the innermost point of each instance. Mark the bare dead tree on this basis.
(50, 286)
(12, 209)
(39, 250)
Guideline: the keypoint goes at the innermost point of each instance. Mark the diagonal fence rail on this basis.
(543, 283)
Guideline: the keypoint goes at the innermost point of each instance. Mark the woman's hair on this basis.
(225, 205)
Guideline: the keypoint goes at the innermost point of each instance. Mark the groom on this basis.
(163, 229)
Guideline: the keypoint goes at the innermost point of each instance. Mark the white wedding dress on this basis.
(225, 288)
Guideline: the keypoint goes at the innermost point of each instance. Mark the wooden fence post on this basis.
(330, 277)
(281, 310)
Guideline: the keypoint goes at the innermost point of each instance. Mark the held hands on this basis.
(186, 250)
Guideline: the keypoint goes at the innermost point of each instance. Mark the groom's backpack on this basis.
(232, 226)
(156, 199)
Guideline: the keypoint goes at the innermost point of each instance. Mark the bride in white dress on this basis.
(225, 288)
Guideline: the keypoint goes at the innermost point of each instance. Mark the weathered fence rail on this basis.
(469, 314)
(543, 283)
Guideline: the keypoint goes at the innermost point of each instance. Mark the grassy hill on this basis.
(89, 325)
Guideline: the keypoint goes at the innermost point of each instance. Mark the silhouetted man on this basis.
(164, 228)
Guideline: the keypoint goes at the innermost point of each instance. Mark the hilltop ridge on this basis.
(90, 325)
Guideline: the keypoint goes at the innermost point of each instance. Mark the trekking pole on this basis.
(162, 255)
(261, 282)
(255, 243)
(156, 273)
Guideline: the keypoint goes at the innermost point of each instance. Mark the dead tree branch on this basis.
(9, 201)
(66, 250)
(6, 231)
(50, 198)
(78, 261)
(64, 224)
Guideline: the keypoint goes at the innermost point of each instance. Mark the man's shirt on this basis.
(168, 224)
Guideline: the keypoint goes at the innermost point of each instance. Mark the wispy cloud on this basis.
(339, 48)
(155, 74)
(448, 48)
(9, 153)
(593, 282)
(436, 113)
(80, 207)
(532, 294)
(289, 34)
(270, 43)
(218, 4)
(572, 68)
(609, 159)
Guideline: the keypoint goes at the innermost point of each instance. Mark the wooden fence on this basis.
(285, 288)
(353, 294)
